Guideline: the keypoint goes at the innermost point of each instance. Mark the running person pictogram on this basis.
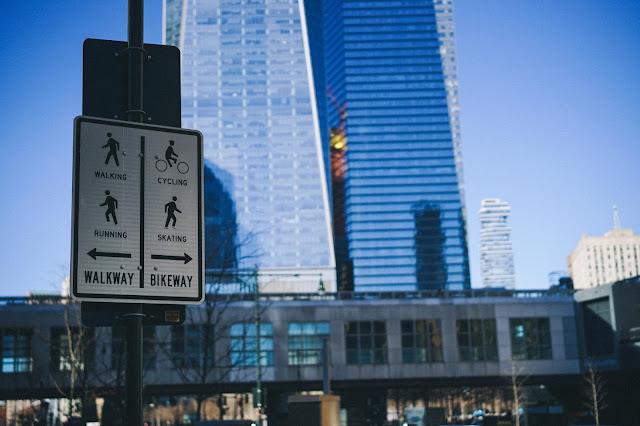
(114, 147)
(112, 205)
(170, 208)
(170, 153)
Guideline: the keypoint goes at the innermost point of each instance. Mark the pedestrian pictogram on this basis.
(155, 253)
(112, 205)
(170, 209)
(114, 147)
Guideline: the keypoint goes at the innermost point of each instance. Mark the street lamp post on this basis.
(256, 298)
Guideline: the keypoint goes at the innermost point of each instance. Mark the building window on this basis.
(366, 342)
(192, 346)
(530, 338)
(421, 341)
(598, 330)
(305, 342)
(477, 339)
(244, 349)
(72, 348)
(149, 352)
(16, 350)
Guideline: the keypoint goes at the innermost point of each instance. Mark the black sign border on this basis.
(101, 297)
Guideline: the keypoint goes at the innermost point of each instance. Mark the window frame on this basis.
(366, 342)
(477, 340)
(535, 341)
(306, 347)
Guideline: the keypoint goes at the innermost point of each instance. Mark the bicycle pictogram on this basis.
(171, 159)
(161, 166)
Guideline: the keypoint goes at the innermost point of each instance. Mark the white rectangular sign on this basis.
(137, 213)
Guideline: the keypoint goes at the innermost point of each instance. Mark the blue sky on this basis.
(550, 123)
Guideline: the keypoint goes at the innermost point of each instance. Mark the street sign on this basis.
(137, 213)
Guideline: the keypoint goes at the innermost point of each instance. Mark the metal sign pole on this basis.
(135, 112)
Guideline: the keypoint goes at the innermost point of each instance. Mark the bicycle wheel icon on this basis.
(183, 167)
(161, 166)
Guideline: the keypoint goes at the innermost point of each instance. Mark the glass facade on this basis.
(247, 86)
(244, 344)
(496, 251)
(530, 338)
(598, 329)
(477, 340)
(16, 350)
(366, 342)
(305, 342)
(191, 346)
(72, 348)
(391, 65)
(421, 341)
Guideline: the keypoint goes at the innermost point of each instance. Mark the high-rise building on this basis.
(391, 72)
(247, 86)
(615, 256)
(496, 251)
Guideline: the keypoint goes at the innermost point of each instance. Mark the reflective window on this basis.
(366, 342)
(16, 350)
(305, 342)
(421, 341)
(244, 344)
(477, 339)
(598, 329)
(191, 346)
(530, 338)
(72, 348)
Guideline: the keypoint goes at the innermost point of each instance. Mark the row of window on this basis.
(365, 343)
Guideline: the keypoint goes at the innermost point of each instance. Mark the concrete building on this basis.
(378, 343)
(390, 353)
(496, 250)
(609, 316)
(605, 259)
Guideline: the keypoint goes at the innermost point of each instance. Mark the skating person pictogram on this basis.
(170, 208)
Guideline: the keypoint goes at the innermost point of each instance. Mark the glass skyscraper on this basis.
(391, 72)
(247, 86)
(496, 251)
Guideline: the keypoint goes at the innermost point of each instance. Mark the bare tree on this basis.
(73, 355)
(192, 346)
(594, 389)
(517, 379)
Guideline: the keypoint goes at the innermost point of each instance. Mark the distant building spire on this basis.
(616, 218)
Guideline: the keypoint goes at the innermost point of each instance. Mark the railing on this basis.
(323, 296)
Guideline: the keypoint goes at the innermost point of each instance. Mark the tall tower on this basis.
(392, 65)
(605, 259)
(496, 251)
(247, 85)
